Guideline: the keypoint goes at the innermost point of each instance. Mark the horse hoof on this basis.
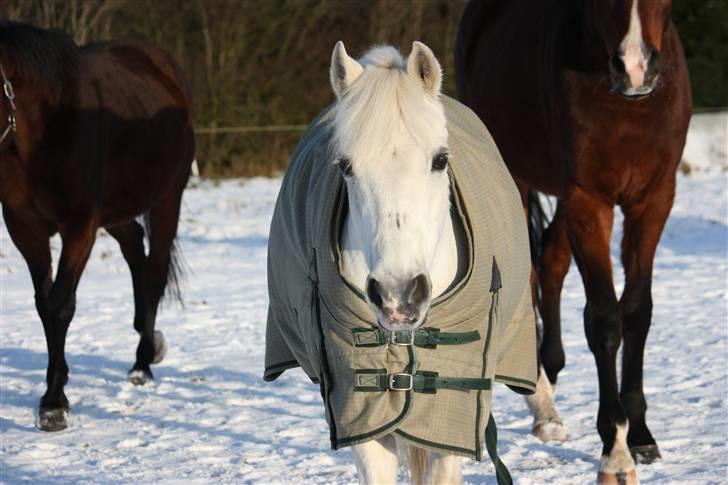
(160, 347)
(139, 377)
(551, 430)
(619, 478)
(52, 419)
(645, 454)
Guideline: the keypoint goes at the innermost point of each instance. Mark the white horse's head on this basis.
(391, 147)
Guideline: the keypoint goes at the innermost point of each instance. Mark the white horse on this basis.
(398, 242)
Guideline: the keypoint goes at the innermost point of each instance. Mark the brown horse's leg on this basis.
(32, 242)
(643, 224)
(31, 239)
(130, 237)
(555, 260)
(163, 220)
(590, 221)
(60, 307)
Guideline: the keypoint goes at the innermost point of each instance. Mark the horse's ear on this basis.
(423, 66)
(343, 71)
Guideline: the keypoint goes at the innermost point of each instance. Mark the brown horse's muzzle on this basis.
(637, 80)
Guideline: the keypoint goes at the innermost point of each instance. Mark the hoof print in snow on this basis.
(52, 419)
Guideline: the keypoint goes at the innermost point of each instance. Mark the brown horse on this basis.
(96, 136)
(589, 101)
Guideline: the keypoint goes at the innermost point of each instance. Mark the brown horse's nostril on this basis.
(653, 62)
(616, 64)
(418, 290)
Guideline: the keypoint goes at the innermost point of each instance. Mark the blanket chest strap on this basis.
(422, 337)
(426, 382)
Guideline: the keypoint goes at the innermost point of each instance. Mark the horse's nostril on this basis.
(419, 289)
(653, 60)
(374, 292)
(617, 64)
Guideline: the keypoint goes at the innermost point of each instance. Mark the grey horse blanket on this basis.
(431, 387)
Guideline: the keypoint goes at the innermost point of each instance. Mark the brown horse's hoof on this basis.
(160, 347)
(619, 478)
(551, 430)
(645, 454)
(139, 377)
(55, 419)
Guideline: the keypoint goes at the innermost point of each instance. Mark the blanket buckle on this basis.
(394, 338)
(396, 379)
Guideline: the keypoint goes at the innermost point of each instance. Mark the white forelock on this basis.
(380, 103)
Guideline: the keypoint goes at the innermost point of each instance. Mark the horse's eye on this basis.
(439, 162)
(344, 165)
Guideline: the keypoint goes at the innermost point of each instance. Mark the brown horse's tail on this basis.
(537, 223)
(176, 270)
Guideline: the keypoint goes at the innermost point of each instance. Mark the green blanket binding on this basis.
(431, 387)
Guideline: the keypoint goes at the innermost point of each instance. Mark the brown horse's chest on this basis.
(11, 192)
(620, 147)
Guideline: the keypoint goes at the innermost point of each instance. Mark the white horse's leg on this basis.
(376, 461)
(418, 463)
(618, 468)
(445, 469)
(547, 424)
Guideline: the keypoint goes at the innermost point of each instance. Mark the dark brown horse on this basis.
(589, 101)
(96, 137)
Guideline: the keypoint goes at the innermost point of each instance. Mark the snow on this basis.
(706, 149)
(209, 417)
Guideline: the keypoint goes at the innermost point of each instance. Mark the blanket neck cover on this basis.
(432, 388)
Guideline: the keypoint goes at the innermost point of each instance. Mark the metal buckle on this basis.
(393, 338)
(8, 88)
(393, 377)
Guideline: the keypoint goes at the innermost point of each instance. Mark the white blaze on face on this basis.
(632, 49)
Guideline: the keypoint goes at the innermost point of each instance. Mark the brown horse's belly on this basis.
(126, 201)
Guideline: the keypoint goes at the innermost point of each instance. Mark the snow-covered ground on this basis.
(209, 417)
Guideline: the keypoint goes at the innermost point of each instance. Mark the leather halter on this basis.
(10, 96)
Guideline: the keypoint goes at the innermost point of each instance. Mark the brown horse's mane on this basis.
(48, 56)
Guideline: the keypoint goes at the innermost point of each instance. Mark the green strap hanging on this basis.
(491, 441)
